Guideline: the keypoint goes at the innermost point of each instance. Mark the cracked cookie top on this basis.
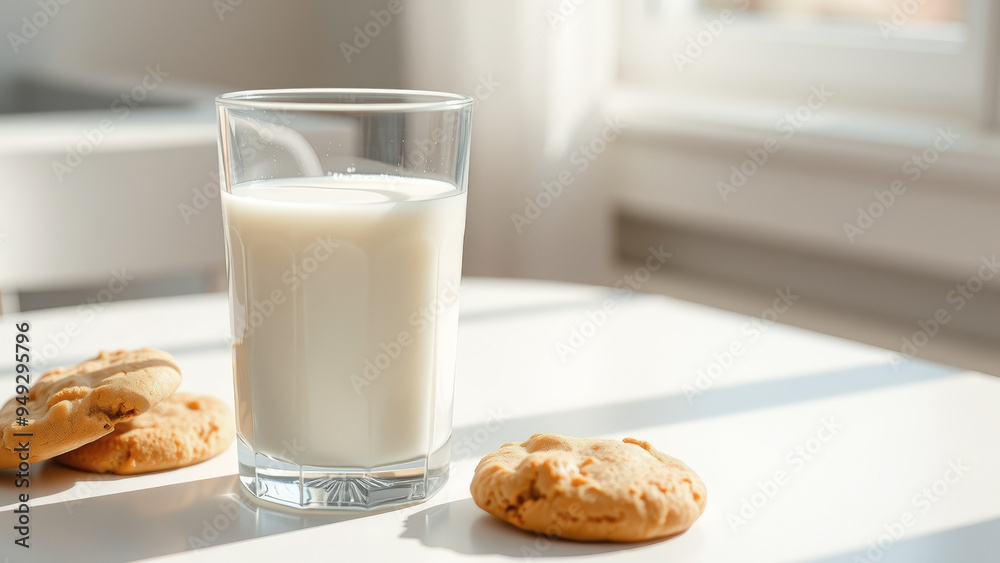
(589, 488)
(71, 406)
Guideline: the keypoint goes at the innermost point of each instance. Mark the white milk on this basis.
(344, 299)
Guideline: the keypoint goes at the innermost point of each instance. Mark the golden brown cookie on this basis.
(71, 406)
(183, 430)
(589, 488)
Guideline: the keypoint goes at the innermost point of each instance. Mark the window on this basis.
(924, 11)
(930, 57)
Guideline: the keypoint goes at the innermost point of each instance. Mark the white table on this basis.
(864, 447)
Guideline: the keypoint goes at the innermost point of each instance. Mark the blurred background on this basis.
(845, 151)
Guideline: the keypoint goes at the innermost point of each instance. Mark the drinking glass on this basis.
(344, 216)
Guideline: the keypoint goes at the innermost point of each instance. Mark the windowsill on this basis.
(860, 139)
(795, 208)
(679, 148)
(944, 37)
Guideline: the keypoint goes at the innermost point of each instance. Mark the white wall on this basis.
(257, 44)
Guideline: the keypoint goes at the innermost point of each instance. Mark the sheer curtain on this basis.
(540, 72)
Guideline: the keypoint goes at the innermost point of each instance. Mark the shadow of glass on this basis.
(462, 527)
(162, 521)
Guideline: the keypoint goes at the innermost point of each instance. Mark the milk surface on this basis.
(344, 305)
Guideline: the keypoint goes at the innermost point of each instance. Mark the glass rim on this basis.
(312, 99)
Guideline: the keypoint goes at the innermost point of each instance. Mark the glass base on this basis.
(342, 488)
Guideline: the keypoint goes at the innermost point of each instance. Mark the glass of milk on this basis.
(344, 216)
